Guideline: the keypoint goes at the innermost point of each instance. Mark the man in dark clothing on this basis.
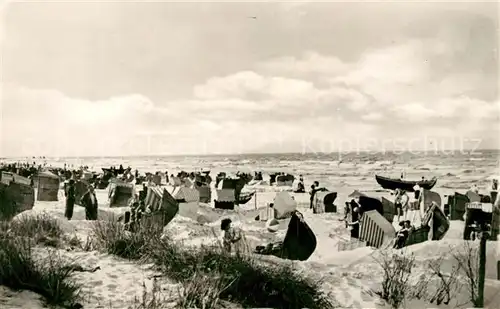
(143, 194)
(70, 199)
(347, 211)
(355, 215)
(89, 201)
(314, 188)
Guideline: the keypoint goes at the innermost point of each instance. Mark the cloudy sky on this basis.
(92, 78)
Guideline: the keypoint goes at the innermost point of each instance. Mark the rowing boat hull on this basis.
(393, 184)
(245, 198)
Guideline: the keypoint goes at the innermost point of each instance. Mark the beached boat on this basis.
(407, 185)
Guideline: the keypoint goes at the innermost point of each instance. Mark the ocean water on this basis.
(342, 172)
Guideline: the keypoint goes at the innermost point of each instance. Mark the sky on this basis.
(166, 78)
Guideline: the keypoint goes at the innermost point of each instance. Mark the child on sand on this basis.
(234, 239)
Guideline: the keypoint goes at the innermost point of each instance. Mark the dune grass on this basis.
(209, 275)
(49, 277)
(42, 229)
(114, 239)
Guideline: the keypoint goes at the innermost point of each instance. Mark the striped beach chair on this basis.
(154, 197)
(375, 230)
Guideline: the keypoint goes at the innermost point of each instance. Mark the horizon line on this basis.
(425, 151)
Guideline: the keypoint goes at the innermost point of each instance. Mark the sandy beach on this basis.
(347, 275)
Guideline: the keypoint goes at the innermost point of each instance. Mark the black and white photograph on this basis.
(249, 154)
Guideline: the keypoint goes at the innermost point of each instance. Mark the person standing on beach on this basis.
(70, 199)
(405, 201)
(416, 197)
(300, 185)
(143, 193)
(397, 203)
(494, 185)
(89, 201)
(347, 211)
(314, 188)
(355, 216)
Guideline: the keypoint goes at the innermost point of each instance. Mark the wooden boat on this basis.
(407, 185)
(299, 243)
(245, 198)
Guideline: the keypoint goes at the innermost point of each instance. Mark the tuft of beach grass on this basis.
(50, 277)
(209, 275)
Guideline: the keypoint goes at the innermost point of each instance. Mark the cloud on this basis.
(36, 119)
(424, 86)
(373, 116)
(417, 81)
(310, 62)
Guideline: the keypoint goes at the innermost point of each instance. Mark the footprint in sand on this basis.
(95, 283)
(111, 286)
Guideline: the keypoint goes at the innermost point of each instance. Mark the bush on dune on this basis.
(202, 291)
(114, 239)
(275, 286)
(43, 229)
(397, 268)
(237, 278)
(49, 278)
